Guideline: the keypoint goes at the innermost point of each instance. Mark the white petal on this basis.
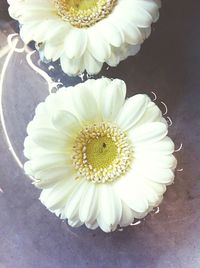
(132, 34)
(165, 147)
(31, 149)
(139, 16)
(98, 89)
(40, 31)
(48, 177)
(115, 94)
(150, 194)
(53, 103)
(59, 30)
(145, 32)
(132, 110)
(72, 66)
(149, 132)
(75, 223)
(131, 195)
(39, 122)
(92, 65)
(53, 52)
(127, 216)
(92, 225)
(57, 196)
(75, 43)
(73, 203)
(88, 208)
(151, 114)
(49, 160)
(154, 159)
(159, 188)
(110, 208)
(110, 33)
(66, 122)
(97, 46)
(151, 7)
(27, 32)
(49, 139)
(160, 175)
(114, 58)
(119, 54)
(85, 103)
(27, 168)
(41, 109)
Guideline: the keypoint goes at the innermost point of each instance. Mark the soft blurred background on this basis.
(30, 236)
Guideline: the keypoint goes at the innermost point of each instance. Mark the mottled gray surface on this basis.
(30, 236)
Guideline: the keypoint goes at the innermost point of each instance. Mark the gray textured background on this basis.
(30, 236)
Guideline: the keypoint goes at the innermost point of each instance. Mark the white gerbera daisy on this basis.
(85, 33)
(101, 160)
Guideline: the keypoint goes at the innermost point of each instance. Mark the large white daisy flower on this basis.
(101, 160)
(85, 33)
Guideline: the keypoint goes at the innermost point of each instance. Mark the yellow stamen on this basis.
(102, 153)
(84, 13)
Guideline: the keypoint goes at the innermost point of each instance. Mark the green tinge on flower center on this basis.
(102, 153)
(84, 13)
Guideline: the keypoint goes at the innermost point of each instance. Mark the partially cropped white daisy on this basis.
(99, 159)
(85, 33)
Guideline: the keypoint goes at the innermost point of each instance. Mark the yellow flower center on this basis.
(84, 13)
(102, 153)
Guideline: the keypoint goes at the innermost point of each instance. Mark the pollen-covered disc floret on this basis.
(102, 153)
(84, 13)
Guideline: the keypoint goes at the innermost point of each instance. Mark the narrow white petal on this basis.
(88, 205)
(72, 66)
(127, 216)
(115, 94)
(75, 223)
(110, 208)
(73, 203)
(53, 51)
(97, 46)
(92, 225)
(75, 43)
(92, 65)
